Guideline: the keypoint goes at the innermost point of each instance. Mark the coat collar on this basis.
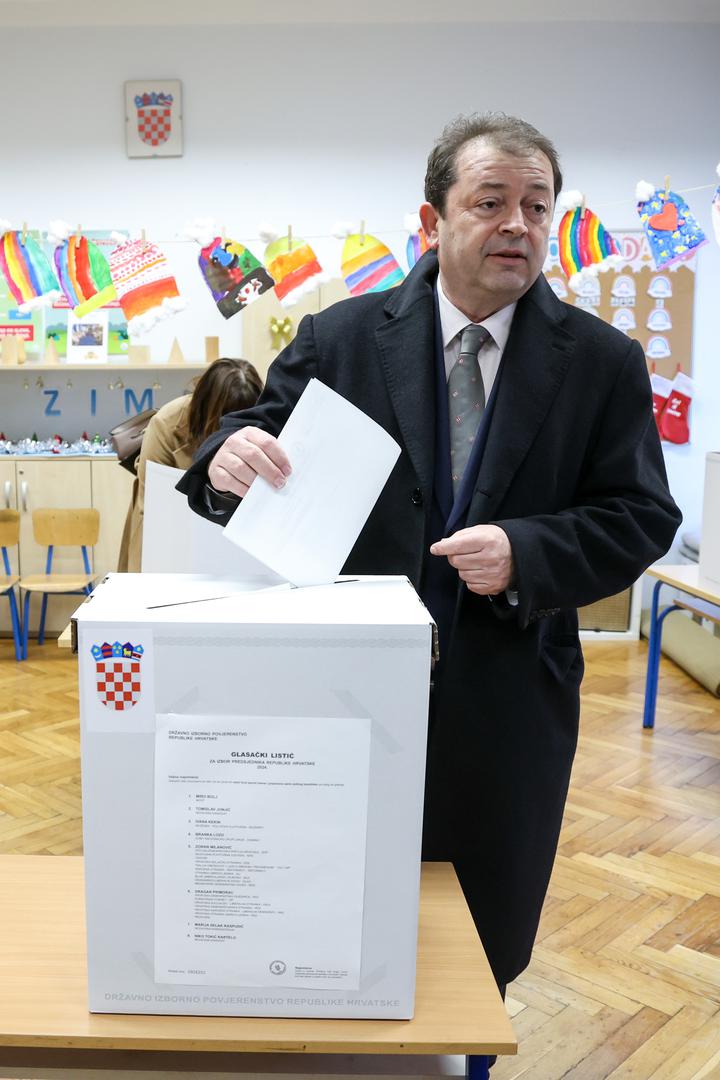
(535, 361)
(406, 341)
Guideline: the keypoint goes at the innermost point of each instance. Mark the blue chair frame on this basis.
(14, 610)
(43, 610)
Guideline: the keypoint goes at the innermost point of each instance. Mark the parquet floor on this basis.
(625, 978)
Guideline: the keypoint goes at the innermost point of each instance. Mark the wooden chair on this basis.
(59, 528)
(9, 537)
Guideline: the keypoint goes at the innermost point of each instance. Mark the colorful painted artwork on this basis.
(653, 307)
(56, 322)
(416, 246)
(84, 275)
(294, 267)
(672, 231)
(27, 271)
(368, 265)
(146, 289)
(586, 247)
(233, 275)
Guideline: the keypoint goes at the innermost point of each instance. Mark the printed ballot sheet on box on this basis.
(260, 829)
(253, 770)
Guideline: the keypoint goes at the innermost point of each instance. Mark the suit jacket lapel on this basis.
(535, 360)
(406, 345)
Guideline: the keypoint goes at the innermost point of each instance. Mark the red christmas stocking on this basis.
(674, 420)
(661, 388)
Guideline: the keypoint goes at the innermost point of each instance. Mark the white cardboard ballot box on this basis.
(710, 537)
(253, 767)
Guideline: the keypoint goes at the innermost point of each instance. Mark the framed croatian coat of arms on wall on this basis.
(153, 118)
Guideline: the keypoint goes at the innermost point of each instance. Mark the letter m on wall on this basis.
(133, 406)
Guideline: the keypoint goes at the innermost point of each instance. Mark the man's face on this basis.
(492, 237)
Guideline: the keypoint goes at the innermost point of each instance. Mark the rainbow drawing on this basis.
(585, 245)
(84, 275)
(368, 265)
(294, 267)
(27, 270)
(416, 246)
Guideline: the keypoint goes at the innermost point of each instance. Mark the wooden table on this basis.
(706, 594)
(43, 994)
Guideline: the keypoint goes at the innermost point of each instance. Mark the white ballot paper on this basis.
(260, 827)
(178, 541)
(341, 460)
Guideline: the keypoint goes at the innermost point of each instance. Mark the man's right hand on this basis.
(244, 455)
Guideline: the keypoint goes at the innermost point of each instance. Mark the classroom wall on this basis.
(307, 125)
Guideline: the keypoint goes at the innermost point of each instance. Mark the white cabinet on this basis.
(49, 484)
(111, 491)
(34, 483)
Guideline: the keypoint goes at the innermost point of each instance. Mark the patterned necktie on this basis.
(466, 400)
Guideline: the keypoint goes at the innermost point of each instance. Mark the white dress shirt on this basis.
(453, 322)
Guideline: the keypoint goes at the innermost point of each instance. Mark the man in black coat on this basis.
(560, 499)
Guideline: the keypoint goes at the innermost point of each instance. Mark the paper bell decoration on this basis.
(368, 265)
(146, 289)
(27, 270)
(585, 246)
(672, 231)
(82, 269)
(233, 275)
(293, 265)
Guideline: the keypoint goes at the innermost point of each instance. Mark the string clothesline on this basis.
(395, 231)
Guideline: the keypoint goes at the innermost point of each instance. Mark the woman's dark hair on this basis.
(228, 385)
(507, 133)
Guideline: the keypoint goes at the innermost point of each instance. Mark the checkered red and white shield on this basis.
(154, 123)
(118, 682)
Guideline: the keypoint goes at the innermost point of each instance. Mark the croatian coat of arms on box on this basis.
(118, 676)
(153, 118)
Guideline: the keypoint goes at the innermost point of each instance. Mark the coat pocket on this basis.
(564, 659)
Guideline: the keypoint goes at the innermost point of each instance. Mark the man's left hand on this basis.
(482, 557)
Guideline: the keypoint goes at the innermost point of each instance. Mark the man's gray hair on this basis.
(507, 133)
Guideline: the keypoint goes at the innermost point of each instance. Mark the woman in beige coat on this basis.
(178, 428)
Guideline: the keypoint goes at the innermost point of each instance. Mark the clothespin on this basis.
(24, 231)
(582, 208)
(667, 187)
(289, 237)
(362, 233)
(142, 236)
(77, 236)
